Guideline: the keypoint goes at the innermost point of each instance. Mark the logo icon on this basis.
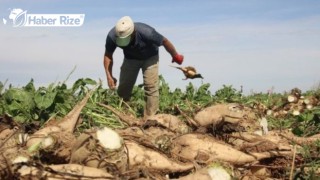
(20, 18)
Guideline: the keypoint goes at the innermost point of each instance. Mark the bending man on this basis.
(140, 44)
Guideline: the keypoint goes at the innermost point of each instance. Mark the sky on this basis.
(257, 44)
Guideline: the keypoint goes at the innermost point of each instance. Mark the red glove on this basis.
(178, 58)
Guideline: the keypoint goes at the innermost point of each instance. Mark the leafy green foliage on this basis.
(1, 88)
(19, 104)
(44, 98)
(307, 124)
(228, 94)
(29, 104)
(186, 100)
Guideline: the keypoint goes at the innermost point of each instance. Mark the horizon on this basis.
(260, 45)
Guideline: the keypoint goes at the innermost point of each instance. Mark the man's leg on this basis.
(128, 76)
(150, 71)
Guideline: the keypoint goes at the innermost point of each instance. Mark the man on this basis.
(140, 44)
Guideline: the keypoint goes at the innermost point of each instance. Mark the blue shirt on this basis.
(145, 44)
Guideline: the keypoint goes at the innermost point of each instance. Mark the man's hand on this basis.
(112, 83)
(178, 58)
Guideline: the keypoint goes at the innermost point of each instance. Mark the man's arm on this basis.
(169, 47)
(108, 64)
(176, 57)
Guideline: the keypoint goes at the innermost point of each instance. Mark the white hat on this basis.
(124, 28)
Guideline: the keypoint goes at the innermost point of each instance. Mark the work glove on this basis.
(178, 58)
